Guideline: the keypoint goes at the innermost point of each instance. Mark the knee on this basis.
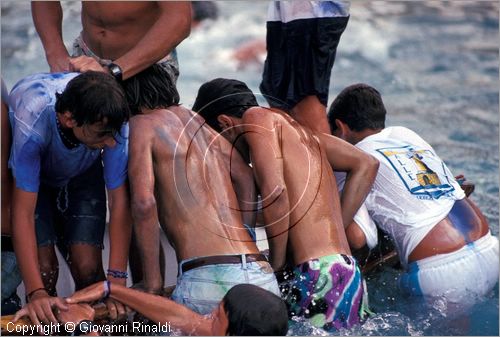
(48, 263)
(86, 272)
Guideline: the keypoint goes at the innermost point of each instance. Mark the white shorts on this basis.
(460, 277)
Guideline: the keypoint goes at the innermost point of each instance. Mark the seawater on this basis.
(436, 66)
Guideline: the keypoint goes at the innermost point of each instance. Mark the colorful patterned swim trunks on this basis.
(329, 291)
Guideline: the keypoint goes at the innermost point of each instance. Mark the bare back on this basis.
(112, 28)
(316, 227)
(196, 202)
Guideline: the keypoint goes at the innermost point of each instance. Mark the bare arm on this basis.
(244, 186)
(24, 238)
(267, 160)
(361, 171)
(25, 247)
(47, 17)
(144, 211)
(120, 229)
(156, 308)
(173, 26)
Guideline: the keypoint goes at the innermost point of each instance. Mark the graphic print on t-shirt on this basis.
(422, 172)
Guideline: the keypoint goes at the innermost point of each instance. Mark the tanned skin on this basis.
(293, 169)
(35, 262)
(183, 176)
(134, 34)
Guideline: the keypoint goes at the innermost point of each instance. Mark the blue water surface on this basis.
(436, 66)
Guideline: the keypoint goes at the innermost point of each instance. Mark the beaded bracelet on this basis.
(117, 273)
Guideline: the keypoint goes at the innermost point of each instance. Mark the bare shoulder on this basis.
(257, 118)
(257, 115)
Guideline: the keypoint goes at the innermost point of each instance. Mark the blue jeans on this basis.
(201, 289)
(75, 213)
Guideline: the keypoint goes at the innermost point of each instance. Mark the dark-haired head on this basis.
(223, 96)
(360, 106)
(152, 88)
(94, 97)
(252, 310)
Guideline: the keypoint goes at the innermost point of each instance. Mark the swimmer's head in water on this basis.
(223, 96)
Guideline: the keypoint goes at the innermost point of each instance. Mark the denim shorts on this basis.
(201, 289)
(75, 213)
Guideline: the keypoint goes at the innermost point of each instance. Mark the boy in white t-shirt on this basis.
(442, 238)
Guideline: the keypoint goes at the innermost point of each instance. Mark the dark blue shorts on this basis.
(75, 213)
(300, 57)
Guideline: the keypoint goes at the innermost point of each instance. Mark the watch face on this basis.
(115, 71)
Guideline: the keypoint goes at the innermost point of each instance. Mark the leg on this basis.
(311, 112)
(84, 225)
(49, 268)
(85, 263)
(46, 223)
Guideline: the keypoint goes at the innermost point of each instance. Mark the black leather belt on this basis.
(221, 259)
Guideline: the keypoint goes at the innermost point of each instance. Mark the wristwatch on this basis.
(115, 70)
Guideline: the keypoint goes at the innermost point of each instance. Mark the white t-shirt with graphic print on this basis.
(413, 190)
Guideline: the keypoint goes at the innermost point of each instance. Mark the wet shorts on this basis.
(329, 291)
(201, 289)
(459, 276)
(169, 63)
(75, 213)
(300, 57)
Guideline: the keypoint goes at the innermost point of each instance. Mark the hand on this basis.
(90, 294)
(58, 63)
(76, 313)
(116, 310)
(85, 63)
(40, 308)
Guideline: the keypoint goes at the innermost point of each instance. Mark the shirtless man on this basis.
(126, 36)
(442, 238)
(184, 177)
(301, 206)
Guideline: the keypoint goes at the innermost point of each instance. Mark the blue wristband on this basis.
(117, 273)
(107, 289)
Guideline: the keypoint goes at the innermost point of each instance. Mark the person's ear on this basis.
(342, 129)
(225, 122)
(66, 120)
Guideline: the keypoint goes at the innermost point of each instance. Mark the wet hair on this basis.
(360, 106)
(152, 88)
(223, 96)
(252, 310)
(203, 10)
(94, 97)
